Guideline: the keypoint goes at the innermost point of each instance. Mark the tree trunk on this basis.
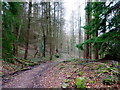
(44, 45)
(17, 34)
(43, 31)
(17, 37)
(87, 49)
(50, 32)
(79, 24)
(96, 49)
(90, 50)
(54, 30)
(27, 33)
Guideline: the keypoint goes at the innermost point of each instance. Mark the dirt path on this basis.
(38, 77)
(56, 75)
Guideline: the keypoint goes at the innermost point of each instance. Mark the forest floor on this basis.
(63, 73)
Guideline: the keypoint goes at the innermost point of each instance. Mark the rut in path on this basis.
(35, 77)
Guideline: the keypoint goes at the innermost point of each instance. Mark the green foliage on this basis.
(109, 80)
(79, 82)
(115, 73)
(104, 71)
(69, 60)
(97, 72)
(56, 55)
(80, 73)
(99, 66)
(111, 68)
(10, 24)
(80, 46)
(108, 41)
(91, 81)
(8, 38)
(61, 67)
(67, 80)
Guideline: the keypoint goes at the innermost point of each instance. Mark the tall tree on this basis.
(79, 24)
(50, 31)
(10, 26)
(28, 31)
(106, 40)
(87, 36)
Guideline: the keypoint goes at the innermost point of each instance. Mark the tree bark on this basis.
(50, 32)
(79, 34)
(87, 47)
(28, 31)
(43, 31)
(96, 49)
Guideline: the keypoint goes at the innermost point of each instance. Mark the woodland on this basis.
(42, 49)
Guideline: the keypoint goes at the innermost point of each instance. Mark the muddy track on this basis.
(36, 77)
(30, 78)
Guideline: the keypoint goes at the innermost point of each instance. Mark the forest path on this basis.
(38, 77)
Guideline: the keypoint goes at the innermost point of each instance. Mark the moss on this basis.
(91, 81)
(108, 81)
(61, 67)
(104, 71)
(80, 73)
(79, 82)
(74, 66)
(97, 72)
(67, 80)
(110, 69)
(99, 66)
(91, 77)
(31, 64)
(56, 55)
(115, 73)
